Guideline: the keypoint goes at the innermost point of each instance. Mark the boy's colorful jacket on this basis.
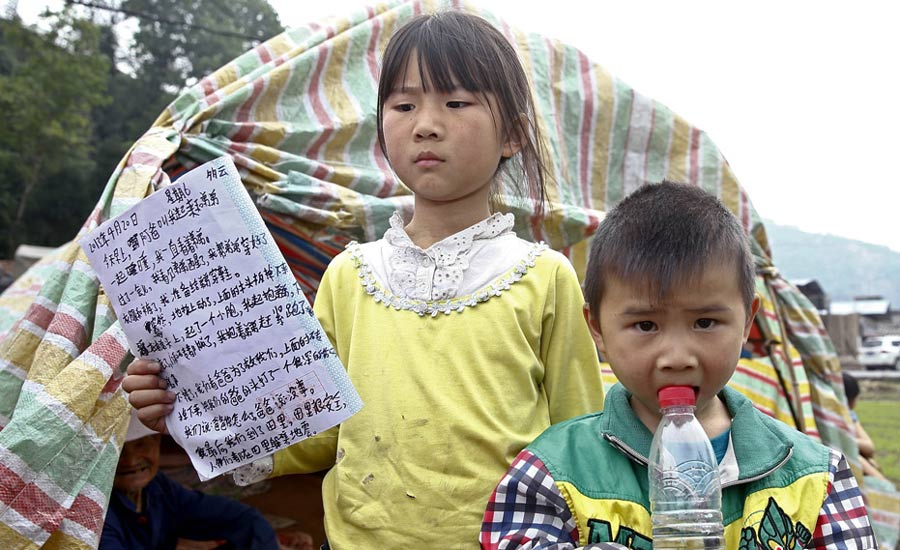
(584, 482)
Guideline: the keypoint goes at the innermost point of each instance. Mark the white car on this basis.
(880, 351)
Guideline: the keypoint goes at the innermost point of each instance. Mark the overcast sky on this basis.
(802, 97)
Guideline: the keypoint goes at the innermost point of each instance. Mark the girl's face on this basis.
(445, 146)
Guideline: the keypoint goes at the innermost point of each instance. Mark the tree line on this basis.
(79, 87)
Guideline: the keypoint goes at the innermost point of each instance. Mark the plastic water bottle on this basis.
(685, 492)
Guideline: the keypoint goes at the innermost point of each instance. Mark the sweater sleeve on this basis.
(571, 364)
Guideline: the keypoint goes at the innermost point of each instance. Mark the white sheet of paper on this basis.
(198, 284)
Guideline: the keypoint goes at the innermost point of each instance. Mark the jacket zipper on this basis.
(634, 455)
(637, 457)
(764, 474)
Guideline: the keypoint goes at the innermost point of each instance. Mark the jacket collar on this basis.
(754, 451)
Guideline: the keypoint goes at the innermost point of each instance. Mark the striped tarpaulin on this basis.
(297, 115)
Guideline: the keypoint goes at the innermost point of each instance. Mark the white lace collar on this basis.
(434, 307)
(436, 273)
(439, 279)
(447, 250)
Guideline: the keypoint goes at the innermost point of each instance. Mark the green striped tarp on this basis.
(297, 115)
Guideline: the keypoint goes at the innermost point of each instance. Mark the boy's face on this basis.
(693, 337)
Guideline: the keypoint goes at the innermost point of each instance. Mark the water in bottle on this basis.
(685, 493)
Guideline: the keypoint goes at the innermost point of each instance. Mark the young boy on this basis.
(670, 301)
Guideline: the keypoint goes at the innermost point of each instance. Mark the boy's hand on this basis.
(147, 393)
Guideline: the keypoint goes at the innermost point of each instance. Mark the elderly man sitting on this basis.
(147, 510)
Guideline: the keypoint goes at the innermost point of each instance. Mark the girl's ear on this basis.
(515, 138)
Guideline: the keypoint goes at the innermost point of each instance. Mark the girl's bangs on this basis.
(446, 66)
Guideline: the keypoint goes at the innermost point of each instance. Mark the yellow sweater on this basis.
(449, 400)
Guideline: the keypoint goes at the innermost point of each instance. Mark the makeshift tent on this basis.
(297, 115)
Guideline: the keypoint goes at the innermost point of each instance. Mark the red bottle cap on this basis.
(671, 396)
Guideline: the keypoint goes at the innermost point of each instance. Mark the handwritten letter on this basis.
(199, 285)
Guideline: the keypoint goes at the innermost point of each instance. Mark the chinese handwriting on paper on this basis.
(199, 285)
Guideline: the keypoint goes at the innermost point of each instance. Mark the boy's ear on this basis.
(593, 324)
(754, 307)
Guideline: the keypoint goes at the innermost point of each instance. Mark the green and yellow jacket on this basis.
(585, 482)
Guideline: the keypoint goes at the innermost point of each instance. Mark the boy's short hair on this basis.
(663, 235)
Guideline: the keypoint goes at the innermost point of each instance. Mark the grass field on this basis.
(879, 412)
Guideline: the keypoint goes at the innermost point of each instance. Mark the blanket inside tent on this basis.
(297, 115)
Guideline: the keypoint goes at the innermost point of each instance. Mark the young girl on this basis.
(463, 340)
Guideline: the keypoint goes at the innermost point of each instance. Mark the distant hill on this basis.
(844, 267)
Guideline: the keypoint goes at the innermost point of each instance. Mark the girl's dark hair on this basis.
(458, 49)
(665, 234)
